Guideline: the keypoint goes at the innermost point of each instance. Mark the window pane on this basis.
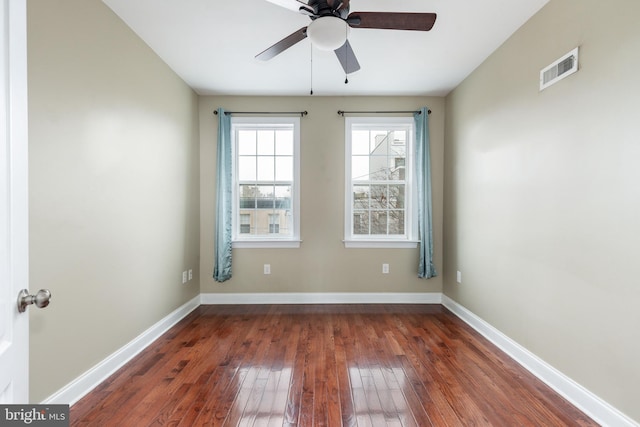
(380, 139)
(274, 223)
(398, 148)
(396, 196)
(360, 142)
(247, 168)
(378, 167)
(360, 168)
(379, 197)
(379, 222)
(361, 196)
(396, 222)
(246, 142)
(266, 170)
(284, 142)
(247, 196)
(280, 222)
(397, 165)
(284, 168)
(245, 223)
(265, 197)
(266, 142)
(361, 222)
(283, 196)
(400, 138)
(261, 225)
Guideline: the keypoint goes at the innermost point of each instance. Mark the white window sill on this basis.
(266, 244)
(381, 244)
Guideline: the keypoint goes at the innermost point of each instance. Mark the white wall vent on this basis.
(559, 69)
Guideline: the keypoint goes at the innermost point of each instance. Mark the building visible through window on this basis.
(274, 223)
(245, 223)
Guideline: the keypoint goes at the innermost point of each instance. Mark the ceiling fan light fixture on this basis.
(328, 32)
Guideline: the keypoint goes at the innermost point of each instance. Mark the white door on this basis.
(14, 252)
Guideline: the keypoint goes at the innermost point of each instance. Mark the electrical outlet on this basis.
(458, 276)
(190, 274)
(385, 268)
(184, 277)
(267, 269)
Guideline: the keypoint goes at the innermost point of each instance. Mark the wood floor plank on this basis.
(294, 401)
(341, 332)
(323, 365)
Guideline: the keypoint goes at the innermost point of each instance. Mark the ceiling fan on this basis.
(331, 22)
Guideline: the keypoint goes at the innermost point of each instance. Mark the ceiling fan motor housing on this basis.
(339, 8)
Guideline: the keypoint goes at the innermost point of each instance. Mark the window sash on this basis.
(396, 217)
(273, 189)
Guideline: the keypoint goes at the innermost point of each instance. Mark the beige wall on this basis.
(321, 264)
(114, 188)
(542, 195)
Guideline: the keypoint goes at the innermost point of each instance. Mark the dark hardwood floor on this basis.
(323, 365)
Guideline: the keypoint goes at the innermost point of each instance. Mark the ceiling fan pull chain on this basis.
(311, 70)
(346, 55)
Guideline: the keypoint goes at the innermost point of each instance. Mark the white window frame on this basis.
(410, 238)
(241, 240)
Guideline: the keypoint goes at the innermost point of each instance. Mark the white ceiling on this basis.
(211, 44)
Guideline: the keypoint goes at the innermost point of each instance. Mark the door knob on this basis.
(41, 299)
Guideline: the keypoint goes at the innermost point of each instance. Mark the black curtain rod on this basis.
(302, 113)
(342, 113)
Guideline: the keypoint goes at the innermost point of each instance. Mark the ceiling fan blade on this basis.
(347, 58)
(392, 20)
(294, 5)
(283, 45)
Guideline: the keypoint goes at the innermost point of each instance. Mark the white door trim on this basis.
(14, 196)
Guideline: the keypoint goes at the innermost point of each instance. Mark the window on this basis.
(379, 182)
(274, 223)
(245, 223)
(266, 179)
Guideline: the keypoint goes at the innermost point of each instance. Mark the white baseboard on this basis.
(599, 410)
(82, 385)
(323, 298)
